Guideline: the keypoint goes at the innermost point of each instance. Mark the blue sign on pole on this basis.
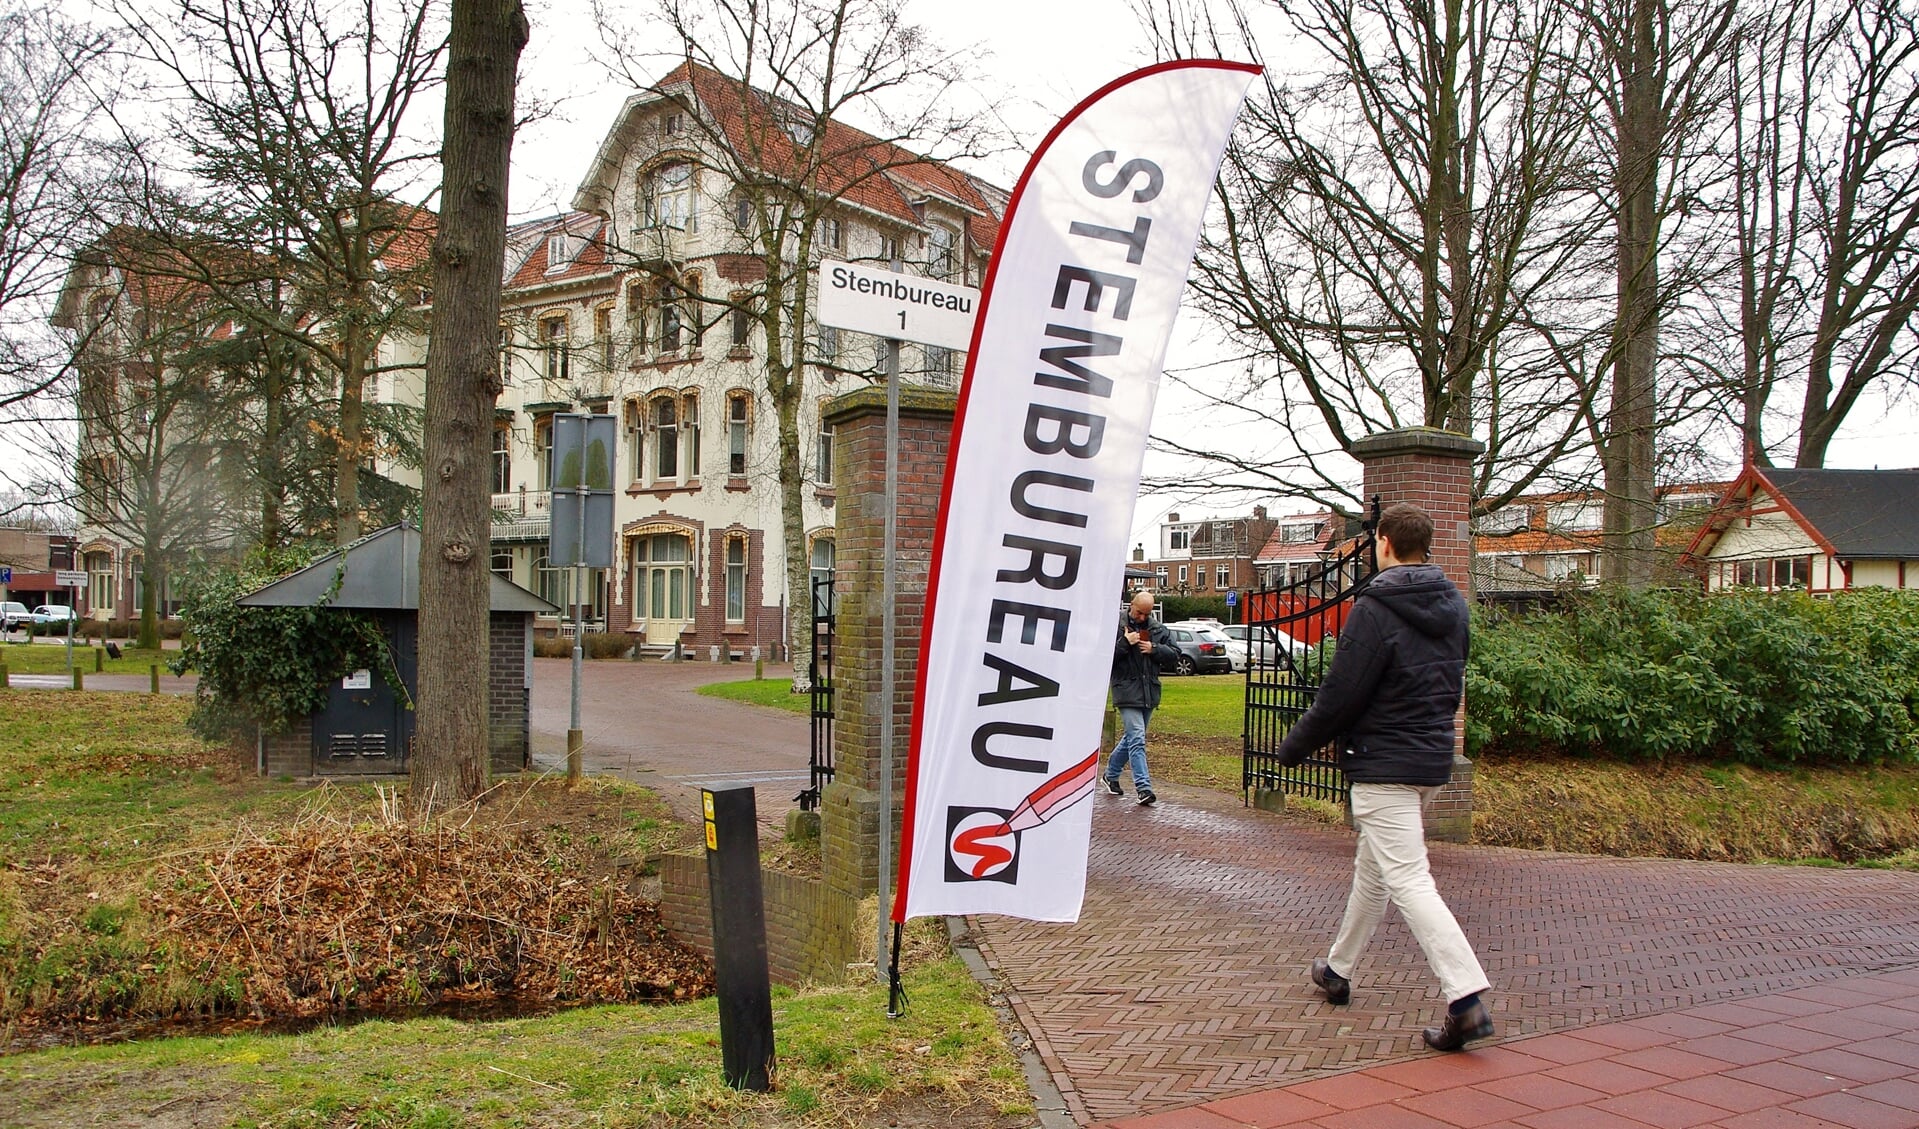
(1232, 598)
(6, 574)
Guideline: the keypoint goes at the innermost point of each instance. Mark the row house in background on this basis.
(1558, 537)
(1208, 557)
(1298, 544)
(633, 306)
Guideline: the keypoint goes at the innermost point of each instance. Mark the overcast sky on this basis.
(1035, 59)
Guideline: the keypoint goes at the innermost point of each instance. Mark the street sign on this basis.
(582, 477)
(66, 579)
(1232, 598)
(6, 574)
(890, 304)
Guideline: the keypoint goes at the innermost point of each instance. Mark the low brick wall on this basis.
(1450, 816)
(812, 933)
(290, 753)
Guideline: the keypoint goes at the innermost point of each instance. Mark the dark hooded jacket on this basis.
(1136, 675)
(1392, 693)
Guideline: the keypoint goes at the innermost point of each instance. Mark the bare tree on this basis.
(463, 383)
(782, 81)
(298, 133)
(1660, 67)
(1826, 197)
(1395, 243)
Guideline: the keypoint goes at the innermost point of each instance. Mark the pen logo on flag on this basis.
(982, 844)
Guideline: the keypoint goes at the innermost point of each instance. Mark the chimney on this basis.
(1172, 517)
(1139, 553)
(1259, 513)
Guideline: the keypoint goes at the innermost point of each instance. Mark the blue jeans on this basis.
(1132, 747)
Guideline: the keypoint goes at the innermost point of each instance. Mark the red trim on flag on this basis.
(909, 809)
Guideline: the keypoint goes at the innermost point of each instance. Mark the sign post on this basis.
(1232, 601)
(582, 531)
(895, 306)
(76, 580)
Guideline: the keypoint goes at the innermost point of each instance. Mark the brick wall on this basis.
(290, 753)
(812, 931)
(849, 811)
(508, 720)
(1433, 469)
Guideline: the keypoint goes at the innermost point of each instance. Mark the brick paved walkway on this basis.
(1183, 983)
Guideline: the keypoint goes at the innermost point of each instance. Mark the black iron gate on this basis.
(819, 673)
(1290, 632)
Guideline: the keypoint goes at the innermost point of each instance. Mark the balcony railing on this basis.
(523, 503)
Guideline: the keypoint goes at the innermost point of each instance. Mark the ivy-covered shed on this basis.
(366, 725)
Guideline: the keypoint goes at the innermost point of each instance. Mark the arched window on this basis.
(666, 438)
(821, 568)
(669, 197)
(736, 579)
(553, 342)
(636, 439)
(502, 457)
(736, 433)
(100, 582)
(942, 252)
(551, 583)
(543, 452)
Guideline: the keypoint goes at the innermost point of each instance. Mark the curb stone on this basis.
(1048, 1102)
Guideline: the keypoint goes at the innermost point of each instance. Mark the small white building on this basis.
(1820, 530)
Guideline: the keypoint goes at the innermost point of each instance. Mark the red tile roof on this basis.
(852, 165)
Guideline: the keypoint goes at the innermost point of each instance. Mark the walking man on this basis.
(1142, 648)
(1389, 703)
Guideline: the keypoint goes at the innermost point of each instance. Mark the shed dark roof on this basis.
(1863, 513)
(381, 572)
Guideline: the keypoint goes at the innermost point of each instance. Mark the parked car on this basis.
(53, 614)
(1207, 629)
(1200, 650)
(14, 615)
(1270, 642)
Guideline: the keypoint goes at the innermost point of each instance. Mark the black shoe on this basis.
(1338, 989)
(1473, 1023)
(1112, 785)
(1146, 798)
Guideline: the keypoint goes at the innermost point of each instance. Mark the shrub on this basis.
(267, 667)
(1173, 608)
(1751, 677)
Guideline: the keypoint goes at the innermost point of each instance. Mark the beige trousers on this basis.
(1390, 867)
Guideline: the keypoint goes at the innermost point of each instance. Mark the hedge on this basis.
(1753, 677)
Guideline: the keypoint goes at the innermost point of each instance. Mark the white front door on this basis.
(663, 585)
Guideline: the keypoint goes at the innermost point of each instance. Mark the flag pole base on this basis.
(896, 991)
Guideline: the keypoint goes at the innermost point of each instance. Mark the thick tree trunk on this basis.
(1629, 458)
(449, 763)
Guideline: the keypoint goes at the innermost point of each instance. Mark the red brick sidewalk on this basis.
(1843, 1055)
(1184, 984)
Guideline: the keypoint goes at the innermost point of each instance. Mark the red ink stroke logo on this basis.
(980, 847)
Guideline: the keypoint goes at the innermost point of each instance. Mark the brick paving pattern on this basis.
(1184, 982)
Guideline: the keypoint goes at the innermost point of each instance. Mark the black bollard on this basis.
(739, 937)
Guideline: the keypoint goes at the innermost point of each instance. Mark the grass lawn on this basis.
(46, 657)
(114, 821)
(774, 693)
(841, 1061)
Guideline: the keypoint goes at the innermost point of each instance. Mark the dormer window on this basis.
(672, 124)
(800, 130)
(558, 253)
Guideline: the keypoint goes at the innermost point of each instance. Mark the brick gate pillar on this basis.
(849, 805)
(1433, 469)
